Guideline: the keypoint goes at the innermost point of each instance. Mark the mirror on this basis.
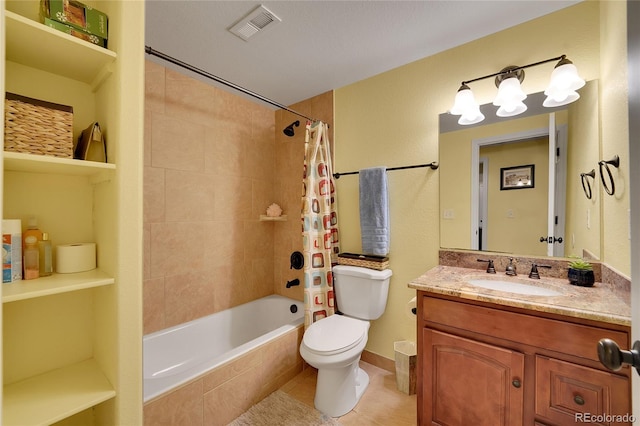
(523, 203)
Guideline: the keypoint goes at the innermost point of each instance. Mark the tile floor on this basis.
(381, 405)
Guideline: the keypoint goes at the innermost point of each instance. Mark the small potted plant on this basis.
(581, 273)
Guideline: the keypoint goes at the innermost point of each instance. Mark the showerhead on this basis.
(289, 129)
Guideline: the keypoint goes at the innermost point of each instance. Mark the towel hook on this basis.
(604, 164)
(586, 186)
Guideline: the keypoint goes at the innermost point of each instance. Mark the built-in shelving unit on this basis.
(85, 327)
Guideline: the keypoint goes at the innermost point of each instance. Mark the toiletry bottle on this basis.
(30, 260)
(32, 229)
(44, 255)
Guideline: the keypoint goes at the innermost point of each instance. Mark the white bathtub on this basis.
(181, 353)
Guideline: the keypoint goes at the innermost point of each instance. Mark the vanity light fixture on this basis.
(509, 100)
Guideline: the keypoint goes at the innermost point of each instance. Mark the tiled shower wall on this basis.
(214, 161)
(209, 173)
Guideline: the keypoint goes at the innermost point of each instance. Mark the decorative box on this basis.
(68, 29)
(77, 15)
(370, 261)
(33, 126)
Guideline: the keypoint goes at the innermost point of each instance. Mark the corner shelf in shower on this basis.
(265, 218)
(54, 284)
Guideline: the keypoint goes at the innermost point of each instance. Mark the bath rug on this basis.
(279, 409)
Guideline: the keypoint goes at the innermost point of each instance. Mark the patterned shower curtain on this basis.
(319, 224)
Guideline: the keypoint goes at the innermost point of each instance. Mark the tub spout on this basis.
(293, 283)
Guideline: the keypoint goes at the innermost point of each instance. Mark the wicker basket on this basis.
(37, 127)
(364, 261)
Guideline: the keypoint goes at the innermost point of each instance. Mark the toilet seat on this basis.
(334, 334)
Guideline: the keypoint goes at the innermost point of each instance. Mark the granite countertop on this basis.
(597, 303)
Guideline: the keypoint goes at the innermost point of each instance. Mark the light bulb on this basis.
(565, 78)
(511, 109)
(471, 117)
(464, 101)
(509, 92)
(560, 99)
(563, 85)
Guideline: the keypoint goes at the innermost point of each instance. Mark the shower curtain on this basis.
(319, 224)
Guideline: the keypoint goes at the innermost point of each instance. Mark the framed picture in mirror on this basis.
(518, 177)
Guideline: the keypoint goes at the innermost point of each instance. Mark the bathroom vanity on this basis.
(495, 357)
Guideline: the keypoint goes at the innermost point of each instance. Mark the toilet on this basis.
(333, 345)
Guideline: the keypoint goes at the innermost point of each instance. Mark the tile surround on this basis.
(214, 161)
(218, 397)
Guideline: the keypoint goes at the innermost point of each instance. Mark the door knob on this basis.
(612, 357)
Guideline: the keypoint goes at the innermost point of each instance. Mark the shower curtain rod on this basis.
(433, 165)
(227, 83)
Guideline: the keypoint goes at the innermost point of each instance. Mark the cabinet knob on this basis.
(516, 383)
(612, 357)
(578, 400)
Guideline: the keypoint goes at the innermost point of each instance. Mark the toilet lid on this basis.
(335, 333)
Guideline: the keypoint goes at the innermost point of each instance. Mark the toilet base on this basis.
(339, 390)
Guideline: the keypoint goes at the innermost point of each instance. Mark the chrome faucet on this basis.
(534, 270)
(511, 268)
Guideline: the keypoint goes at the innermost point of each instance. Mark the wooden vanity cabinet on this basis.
(466, 371)
(482, 364)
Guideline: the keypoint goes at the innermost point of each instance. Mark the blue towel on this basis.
(374, 211)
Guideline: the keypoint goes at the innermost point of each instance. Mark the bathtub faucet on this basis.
(293, 282)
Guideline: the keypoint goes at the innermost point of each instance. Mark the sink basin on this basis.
(511, 287)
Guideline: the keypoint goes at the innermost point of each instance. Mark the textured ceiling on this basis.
(322, 45)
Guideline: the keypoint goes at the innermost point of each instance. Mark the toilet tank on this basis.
(361, 292)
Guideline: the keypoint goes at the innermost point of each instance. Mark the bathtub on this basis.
(179, 354)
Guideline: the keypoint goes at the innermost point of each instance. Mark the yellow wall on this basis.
(583, 226)
(615, 133)
(392, 119)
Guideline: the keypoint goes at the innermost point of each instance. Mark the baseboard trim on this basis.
(379, 361)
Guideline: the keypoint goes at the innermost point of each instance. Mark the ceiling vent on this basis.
(258, 20)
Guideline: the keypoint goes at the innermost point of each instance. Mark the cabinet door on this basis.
(568, 394)
(470, 383)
